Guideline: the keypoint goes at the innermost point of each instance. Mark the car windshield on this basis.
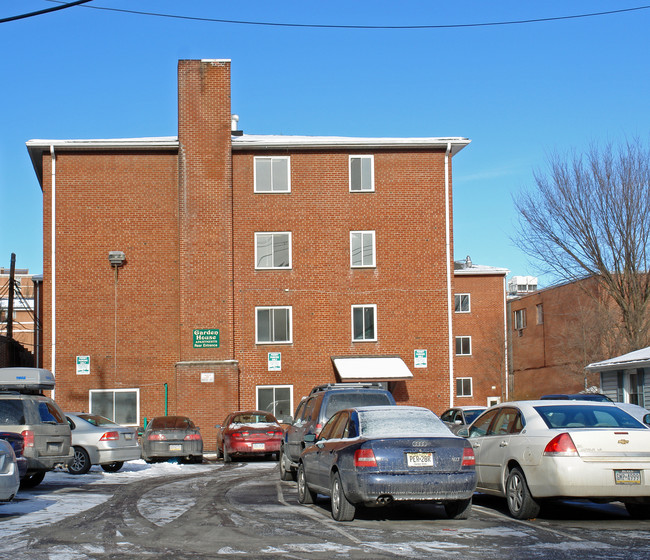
(253, 418)
(342, 400)
(565, 416)
(399, 422)
(171, 423)
(97, 420)
(471, 415)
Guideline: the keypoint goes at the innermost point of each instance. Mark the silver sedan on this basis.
(529, 451)
(9, 477)
(99, 441)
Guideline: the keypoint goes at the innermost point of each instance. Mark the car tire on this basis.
(81, 461)
(520, 501)
(286, 472)
(32, 480)
(342, 509)
(638, 510)
(219, 454)
(305, 495)
(458, 509)
(226, 455)
(113, 467)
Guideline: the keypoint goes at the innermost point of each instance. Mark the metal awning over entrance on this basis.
(382, 368)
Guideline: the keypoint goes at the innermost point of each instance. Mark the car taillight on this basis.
(561, 445)
(319, 427)
(236, 435)
(28, 438)
(192, 437)
(365, 458)
(110, 436)
(274, 433)
(156, 437)
(468, 457)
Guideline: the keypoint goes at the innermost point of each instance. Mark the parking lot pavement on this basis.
(244, 510)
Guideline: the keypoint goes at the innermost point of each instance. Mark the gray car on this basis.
(25, 410)
(461, 416)
(9, 477)
(99, 441)
(167, 437)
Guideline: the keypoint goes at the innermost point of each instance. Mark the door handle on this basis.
(475, 445)
(503, 444)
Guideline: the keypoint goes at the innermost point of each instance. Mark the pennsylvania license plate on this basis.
(419, 459)
(258, 446)
(173, 447)
(627, 477)
(128, 436)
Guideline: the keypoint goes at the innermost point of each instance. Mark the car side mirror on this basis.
(646, 419)
(218, 426)
(310, 438)
(463, 432)
(458, 421)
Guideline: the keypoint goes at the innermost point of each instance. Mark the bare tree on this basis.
(590, 217)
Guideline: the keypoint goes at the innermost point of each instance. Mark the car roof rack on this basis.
(26, 380)
(329, 386)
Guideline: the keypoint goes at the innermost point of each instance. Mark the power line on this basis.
(371, 27)
(45, 11)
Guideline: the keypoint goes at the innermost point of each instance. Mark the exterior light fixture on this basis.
(116, 258)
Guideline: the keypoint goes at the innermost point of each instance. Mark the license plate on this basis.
(627, 477)
(173, 447)
(128, 436)
(257, 446)
(419, 459)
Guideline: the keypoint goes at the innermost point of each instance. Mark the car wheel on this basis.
(458, 509)
(226, 455)
(305, 495)
(218, 453)
(342, 509)
(638, 510)
(81, 462)
(32, 480)
(286, 472)
(520, 501)
(113, 467)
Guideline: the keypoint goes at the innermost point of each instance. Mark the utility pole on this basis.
(10, 304)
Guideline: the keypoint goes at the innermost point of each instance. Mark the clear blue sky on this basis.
(517, 91)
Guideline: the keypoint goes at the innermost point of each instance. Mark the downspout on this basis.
(53, 262)
(505, 337)
(449, 291)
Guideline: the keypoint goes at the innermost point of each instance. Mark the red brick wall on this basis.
(486, 325)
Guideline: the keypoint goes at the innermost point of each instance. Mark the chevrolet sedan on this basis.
(99, 441)
(377, 455)
(531, 451)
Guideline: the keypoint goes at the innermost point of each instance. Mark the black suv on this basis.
(316, 409)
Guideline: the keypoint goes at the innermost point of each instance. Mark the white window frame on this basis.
(274, 308)
(273, 234)
(374, 312)
(272, 159)
(372, 172)
(469, 338)
(519, 319)
(135, 390)
(469, 303)
(540, 313)
(363, 234)
(274, 387)
(471, 387)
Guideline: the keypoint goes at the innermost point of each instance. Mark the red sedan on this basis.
(248, 433)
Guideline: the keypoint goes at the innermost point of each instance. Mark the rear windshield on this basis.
(397, 422)
(254, 418)
(341, 400)
(563, 416)
(12, 412)
(172, 423)
(97, 420)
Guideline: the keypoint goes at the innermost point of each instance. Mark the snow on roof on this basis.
(638, 358)
(480, 269)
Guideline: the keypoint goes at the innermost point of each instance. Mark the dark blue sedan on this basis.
(377, 455)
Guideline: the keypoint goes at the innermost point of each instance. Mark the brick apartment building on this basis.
(245, 269)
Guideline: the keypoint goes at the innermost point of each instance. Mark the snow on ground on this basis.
(49, 502)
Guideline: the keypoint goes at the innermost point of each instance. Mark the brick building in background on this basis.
(245, 269)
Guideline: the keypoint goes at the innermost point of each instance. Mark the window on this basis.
(520, 319)
(120, 405)
(463, 345)
(540, 314)
(362, 174)
(363, 322)
(272, 174)
(362, 248)
(464, 387)
(273, 250)
(273, 324)
(461, 302)
(275, 399)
